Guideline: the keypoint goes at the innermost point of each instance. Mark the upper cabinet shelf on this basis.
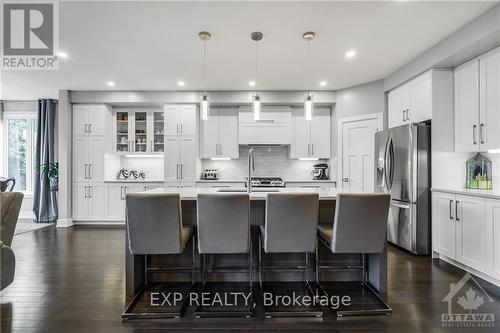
(477, 104)
(139, 130)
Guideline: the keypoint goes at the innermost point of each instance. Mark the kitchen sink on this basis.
(239, 190)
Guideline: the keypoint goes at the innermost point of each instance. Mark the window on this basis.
(20, 136)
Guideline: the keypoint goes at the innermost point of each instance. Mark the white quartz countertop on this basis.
(257, 194)
(243, 181)
(477, 193)
(134, 181)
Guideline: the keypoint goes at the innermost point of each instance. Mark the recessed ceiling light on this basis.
(111, 83)
(62, 54)
(251, 83)
(181, 83)
(350, 54)
(322, 83)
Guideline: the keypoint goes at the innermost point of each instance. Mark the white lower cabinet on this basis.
(492, 237)
(466, 229)
(220, 184)
(89, 202)
(116, 194)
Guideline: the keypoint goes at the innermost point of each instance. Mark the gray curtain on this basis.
(45, 200)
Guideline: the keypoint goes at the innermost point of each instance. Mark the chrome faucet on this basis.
(251, 167)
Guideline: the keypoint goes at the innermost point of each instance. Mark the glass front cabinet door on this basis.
(139, 131)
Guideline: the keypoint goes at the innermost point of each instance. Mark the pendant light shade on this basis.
(309, 107)
(204, 98)
(256, 107)
(204, 106)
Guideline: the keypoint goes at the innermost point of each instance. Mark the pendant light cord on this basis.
(256, 65)
(204, 66)
(309, 63)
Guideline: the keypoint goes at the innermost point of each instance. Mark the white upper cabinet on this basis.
(467, 107)
(311, 138)
(181, 159)
(180, 120)
(139, 130)
(273, 127)
(477, 104)
(219, 134)
(89, 120)
(489, 100)
(412, 102)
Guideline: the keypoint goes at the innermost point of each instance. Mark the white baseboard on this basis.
(468, 269)
(103, 223)
(64, 223)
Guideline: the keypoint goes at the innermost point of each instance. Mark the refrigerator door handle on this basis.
(400, 205)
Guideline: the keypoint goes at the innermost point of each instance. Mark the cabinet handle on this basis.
(181, 170)
(85, 191)
(451, 209)
(90, 128)
(474, 134)
(312, 149)
(90, 168)
(90, 191)
(177, 171)
(177, 128)
(265, 121)
(86, 129)
(151, 147)
(181, 129)
(85, 171)
(404, 115)
(408, 114)
(481, 131)
(121, 192)
(308, 149)
(456, 210)
(220, 148)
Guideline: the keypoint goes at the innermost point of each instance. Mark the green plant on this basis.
(51, 170)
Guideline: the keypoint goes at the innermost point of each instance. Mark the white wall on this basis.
(355, 101)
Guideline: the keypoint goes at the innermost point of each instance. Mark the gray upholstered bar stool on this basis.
(154, 226)
(290, 227)
(359, 226)
(224, 228)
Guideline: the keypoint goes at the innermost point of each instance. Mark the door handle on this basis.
(481, 132)
(451, 209)
(456, 210)
(474, 134)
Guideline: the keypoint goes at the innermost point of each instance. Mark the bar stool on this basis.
(154, 226)
(224, 228)
(360, 226)
(290, 227)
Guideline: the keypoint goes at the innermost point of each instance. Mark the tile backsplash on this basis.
(269, 161)
(153, 166)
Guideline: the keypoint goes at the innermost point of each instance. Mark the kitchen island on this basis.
(377, 263)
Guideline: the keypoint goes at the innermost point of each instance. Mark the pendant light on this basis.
(204, 97)
(309, 102)
(256, 103)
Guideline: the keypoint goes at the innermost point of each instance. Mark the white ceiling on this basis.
(151, 46)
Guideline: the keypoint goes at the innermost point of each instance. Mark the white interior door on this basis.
(358, 144)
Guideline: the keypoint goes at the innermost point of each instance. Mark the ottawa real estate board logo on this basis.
(30, 35)
(469, 305)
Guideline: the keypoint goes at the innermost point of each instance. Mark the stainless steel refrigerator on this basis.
(403, 169)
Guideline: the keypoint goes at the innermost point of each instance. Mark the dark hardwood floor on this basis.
(72, 280)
